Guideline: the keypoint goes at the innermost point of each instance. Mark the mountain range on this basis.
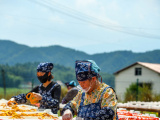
(12, 53)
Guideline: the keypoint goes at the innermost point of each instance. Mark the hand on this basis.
(11, 101)
(36, 96)
(67, 115)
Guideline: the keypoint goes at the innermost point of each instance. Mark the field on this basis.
(15, 91)
(11, 92)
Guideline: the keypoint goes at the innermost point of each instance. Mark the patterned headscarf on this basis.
(86, 69)
(45, 67)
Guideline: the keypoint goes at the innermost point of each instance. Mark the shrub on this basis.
(144, 93)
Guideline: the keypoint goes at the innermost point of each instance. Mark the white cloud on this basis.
(85, 3)
(141, 16)
(98, 10)
(9, 21)
(57, 19)
(35, 22)
(113, 6)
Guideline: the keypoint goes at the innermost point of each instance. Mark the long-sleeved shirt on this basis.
(50, 96)
(109, 101)
(70, 95)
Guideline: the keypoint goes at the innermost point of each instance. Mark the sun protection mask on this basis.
(43, 78)
(84, 90)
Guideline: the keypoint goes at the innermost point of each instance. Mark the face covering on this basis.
(84, 90)
(43, 78)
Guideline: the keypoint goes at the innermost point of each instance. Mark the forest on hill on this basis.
(22, 74)
(12, 53)
(19, 62)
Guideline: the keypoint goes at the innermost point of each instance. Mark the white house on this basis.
(139, 72)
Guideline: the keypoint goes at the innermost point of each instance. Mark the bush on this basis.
(131, 92)
(144, 94)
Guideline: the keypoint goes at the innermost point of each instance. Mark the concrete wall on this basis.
(125, 78)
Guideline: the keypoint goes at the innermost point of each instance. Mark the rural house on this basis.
(140, 73)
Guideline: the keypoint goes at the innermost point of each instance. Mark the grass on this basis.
(11, 92)
(16, 91)
(146, 112)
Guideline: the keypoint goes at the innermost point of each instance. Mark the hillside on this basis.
(22, 74)
(12, 53)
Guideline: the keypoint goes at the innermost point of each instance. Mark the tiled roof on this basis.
(153, 66)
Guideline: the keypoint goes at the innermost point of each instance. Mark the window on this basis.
(138, 71)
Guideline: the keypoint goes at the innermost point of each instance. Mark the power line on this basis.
(73, 11)
(54, 6)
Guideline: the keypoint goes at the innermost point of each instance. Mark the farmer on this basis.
(95, 100)
(72, 92)
(47, 93)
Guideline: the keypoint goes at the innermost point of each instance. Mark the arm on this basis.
(21, 98)
(66, 107)
(74, 104)
(54, 101)
(70, 95)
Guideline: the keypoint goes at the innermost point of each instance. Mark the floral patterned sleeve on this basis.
(74, 104)
(109, 102)
(109, 99)
(108, 105)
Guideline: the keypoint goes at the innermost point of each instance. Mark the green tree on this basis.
(144, 93)
(130, 94)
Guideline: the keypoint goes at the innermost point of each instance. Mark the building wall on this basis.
(126, 77)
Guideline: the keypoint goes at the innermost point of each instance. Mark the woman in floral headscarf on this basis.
(47, 93)
(95, 100)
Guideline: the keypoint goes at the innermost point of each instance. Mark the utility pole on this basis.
(4, 82)
(137, 90)
(32, 83)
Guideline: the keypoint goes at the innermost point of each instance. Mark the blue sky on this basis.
(92, 26)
